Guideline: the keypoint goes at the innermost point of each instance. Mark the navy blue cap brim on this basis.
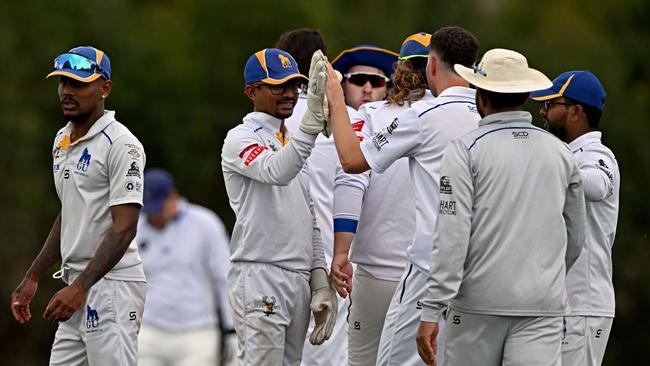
(369, 56)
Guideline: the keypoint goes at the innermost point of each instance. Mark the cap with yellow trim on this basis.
(368, 55)
(580, 86)
(85, 63)
(415, 45)
(271, 66)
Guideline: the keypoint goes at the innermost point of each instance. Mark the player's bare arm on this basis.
(49, 254)
(347, 143)
(341, 272)
(66, 301)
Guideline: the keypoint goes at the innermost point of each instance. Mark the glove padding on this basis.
(313, 122)
(324, 305)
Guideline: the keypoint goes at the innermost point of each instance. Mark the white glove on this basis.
(324, 305)
(313, 122)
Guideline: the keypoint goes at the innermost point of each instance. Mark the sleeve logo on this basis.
(445, 185)
(255, 151)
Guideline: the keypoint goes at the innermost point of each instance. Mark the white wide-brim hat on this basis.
(504, 71)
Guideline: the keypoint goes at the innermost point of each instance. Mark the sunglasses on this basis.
(361, 78)
(547, 104)
(73, 61)
(296, 86)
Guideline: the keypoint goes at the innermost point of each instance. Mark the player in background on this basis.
(301, 44)
(422, 132)
(276, 252)
(97, 170)
(511, 222)
(184, 249)
(572, 109)
(362, 211)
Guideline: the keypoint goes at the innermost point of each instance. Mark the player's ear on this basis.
(107, 86)
(249, 90)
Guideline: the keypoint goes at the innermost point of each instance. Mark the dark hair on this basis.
(454, 45)
(593, 114)
(504, 100)
(408, 85)
(301, 44)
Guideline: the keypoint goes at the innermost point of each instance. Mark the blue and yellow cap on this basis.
(84, 63)
(369, 55)
(580, 86)
(415, 45)
(271, 66)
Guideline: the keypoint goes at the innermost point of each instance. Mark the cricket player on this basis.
(276, 252)
(97, 166)
(511, 222)
(572, 109)
(379, 246)
(421, 133)
(323, 164)
(184, 249)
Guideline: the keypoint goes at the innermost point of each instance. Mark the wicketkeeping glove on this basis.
(313, 122)
(324, 304)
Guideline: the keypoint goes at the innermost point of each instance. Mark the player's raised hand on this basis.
(426, 340)
(65, 302)
(313, 122)
(21, 298)
(342, 274)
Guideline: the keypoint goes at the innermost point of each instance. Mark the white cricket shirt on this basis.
(268, 187)
(422, 132)
(589, 281)
(511, 221)
(186, 264)
(99, 170)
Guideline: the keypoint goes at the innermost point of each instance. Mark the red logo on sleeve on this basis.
(255, 152)
(357, 127)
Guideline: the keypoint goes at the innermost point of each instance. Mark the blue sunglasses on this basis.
(76, 62)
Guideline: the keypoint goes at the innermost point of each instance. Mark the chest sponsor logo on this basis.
(379, 140)
(520, 135)
(393, 125)
(445, 185)
(268, 305)
(84, 160)
(134, 170)
(447, 207)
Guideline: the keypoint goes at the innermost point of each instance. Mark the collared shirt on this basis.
(511, 221)
(589, 282)
(268, 187)
(422, 133)
(99, 170)
(186, 264)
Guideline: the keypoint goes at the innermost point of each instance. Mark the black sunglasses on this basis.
(548, 103)
(361, 78)
(295, 86)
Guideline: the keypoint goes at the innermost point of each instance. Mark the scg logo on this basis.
(520, 135)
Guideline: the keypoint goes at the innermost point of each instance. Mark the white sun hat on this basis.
(504, 71)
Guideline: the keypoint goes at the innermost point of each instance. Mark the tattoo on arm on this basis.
(49, 254)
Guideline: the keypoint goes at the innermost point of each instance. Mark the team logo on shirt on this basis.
(84, 161)
(447, 207)
(445, 185)
(92, 319)
(393, 126)
(134, 170)
(379, 140)
(268, 305)
(57, 152)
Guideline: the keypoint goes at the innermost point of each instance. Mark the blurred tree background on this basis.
(177, 73)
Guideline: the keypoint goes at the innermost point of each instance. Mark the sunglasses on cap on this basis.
(361, 78)
(73, 61)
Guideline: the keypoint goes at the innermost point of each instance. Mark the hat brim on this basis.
(283, 80)
(370, 56)
(546, 94)
(83, 76)
(533, 81)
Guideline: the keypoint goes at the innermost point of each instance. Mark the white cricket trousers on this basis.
(397, 344)
(271, 313)
(369, 302)
(493, 340)
(104, 331)
(585, 339)
(161, 347)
